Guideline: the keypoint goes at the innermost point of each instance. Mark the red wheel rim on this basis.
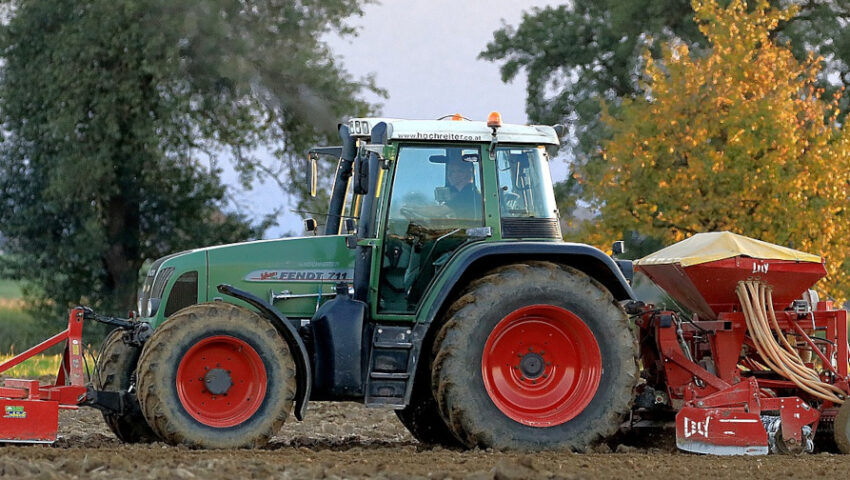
(221, 381)
(541, 365)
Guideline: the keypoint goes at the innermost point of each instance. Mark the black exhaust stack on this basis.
(343, 173)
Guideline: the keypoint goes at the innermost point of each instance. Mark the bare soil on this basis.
(346, 440)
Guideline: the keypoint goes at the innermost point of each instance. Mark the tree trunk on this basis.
(121, 259)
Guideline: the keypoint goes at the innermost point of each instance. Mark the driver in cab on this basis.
(464, 199)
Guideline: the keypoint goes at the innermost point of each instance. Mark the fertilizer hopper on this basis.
(703, 271)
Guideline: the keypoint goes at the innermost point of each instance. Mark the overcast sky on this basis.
(425, 54)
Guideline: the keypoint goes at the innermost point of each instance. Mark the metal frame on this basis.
(30, 411)
(734, 396)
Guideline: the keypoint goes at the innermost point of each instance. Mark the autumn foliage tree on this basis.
(739, 139)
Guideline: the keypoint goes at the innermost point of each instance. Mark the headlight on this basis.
(151, 295)
(153, 306)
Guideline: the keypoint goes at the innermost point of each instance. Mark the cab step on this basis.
(389, 366)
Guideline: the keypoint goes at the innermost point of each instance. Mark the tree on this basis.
(740, 139)
(583, 54)
(116, 113)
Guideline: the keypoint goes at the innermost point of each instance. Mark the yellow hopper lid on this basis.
(709, 247)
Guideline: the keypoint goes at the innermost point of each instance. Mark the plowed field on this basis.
(349, 441)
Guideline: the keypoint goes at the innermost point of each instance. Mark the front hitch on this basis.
(136, 333)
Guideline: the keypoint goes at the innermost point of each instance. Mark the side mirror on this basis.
(314, 174)
(618, 248)
(311, 225)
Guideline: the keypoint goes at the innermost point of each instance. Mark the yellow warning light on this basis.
(457, 117)
(494, 120)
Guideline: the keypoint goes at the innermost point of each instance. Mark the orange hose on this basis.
(785, 364)
(757, 301)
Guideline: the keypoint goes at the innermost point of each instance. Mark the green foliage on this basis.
(9, 289)
(116, 112)
(35, 368)
(582, 53)
(18, 329)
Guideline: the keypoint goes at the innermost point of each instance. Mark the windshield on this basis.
(525, 184)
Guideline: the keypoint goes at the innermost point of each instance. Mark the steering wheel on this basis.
(412, 214)
(425, 214)
(510, 201)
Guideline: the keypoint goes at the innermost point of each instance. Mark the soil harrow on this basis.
(30, 409)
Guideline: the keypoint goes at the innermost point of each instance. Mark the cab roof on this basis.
(454, 131)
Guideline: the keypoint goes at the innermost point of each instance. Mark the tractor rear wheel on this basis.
(841, 427)
(422, 417)
(216, 376)
(534, 356)
(114, 369)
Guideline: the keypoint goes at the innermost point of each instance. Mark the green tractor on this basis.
(440, 288)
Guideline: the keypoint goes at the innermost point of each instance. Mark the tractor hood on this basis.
(293, 274)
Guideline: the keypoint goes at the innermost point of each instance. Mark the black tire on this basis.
(198, 325)
(114, 370)
(422, 417)
(457, 378)
(841, 427)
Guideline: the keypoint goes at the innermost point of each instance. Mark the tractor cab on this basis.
(437, 203)
(422, 189)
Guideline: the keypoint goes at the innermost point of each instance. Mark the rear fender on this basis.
(473, 261)
(304, 376)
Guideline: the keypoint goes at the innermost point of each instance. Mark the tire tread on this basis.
(161, 344)
(474, 304)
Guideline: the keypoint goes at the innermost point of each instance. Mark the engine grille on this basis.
(162, 278)
(154, 276)
(183, 293)
(531, 228)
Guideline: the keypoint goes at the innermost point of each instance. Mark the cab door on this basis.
(435, 198)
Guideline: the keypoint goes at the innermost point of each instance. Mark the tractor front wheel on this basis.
(216, 376)
(114, 370)
(534, 356)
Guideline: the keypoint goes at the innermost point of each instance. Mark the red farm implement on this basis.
(756, 368)
(30, 410)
